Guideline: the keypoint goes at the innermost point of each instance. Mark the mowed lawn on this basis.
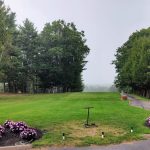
(65, 113)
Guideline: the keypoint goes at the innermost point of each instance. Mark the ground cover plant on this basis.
(56, 114)
(2, 131)
(147, 122)
(14, 133)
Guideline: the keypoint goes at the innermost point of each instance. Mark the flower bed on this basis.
(15, 127)
(13, 132)
(2, 131)
(147, 122)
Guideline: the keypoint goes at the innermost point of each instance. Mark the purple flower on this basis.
(8, 124)
(2, 130)
(15, 127)
(147, 122)
(28, 134)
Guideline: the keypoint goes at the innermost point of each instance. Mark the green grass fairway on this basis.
(58, 113)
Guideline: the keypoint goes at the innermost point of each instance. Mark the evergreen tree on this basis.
(27, 42)
(8, 59)
(51, 61)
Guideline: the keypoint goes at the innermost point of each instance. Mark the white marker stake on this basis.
(102, 135)
(131, 130)
(63, 137)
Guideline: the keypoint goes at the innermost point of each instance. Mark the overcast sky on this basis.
(107, 25)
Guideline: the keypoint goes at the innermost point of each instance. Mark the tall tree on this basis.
(7, 51)
(65, 50)
(132, 64)
(32, 62)
(27, 42)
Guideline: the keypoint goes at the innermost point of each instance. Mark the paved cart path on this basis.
(139, 103)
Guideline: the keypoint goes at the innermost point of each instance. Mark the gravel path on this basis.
(139, 103)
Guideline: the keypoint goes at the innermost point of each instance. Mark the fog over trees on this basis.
(49, 61)
(100, 88)
(53, 60)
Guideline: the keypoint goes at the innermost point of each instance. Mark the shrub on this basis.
(2, 130)
(28, 134)
(15, 127)
(21, 126)
(18, 127)
(8, 124)
(147, 122)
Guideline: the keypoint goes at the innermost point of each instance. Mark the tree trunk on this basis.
(4, 87)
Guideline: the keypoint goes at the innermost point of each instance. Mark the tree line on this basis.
(48, 61)
(133, 64)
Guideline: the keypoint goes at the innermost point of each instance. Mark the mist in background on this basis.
(107, 25)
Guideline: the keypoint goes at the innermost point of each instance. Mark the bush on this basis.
(8, 124)
(147, 122)
(28, 134)
(18, 127)
(15, 127)
(2, 130)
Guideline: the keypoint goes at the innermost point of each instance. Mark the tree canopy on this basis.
(48, 61)
(133, 64)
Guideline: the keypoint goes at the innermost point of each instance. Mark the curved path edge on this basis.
(17, 147)
(138, 103)
(137, 145)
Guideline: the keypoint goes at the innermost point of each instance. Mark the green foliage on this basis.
(8, 53)
(27, 43)
(132, 64)
(63, 56)
(50, 61)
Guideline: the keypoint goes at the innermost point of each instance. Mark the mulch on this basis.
(11, 139)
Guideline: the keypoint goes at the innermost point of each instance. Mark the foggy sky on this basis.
(107, 25)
